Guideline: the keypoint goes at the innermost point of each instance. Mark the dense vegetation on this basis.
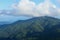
(39, 28)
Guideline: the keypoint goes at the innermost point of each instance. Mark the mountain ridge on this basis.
(38, 28)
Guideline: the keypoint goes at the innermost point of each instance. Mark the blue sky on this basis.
(6, 4)
(23, 8)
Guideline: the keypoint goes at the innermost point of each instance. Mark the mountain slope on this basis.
(39, 28)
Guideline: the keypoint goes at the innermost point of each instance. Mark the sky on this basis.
(6, 4)
(25, 9)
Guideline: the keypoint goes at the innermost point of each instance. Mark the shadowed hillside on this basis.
(39, 28)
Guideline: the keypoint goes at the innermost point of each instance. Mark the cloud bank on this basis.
(29, 8)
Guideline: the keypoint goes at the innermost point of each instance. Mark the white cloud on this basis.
(29, 8)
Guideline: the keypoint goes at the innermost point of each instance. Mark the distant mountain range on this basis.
(38, 28)
(4, 22)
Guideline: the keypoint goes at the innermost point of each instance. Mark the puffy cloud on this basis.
(29, 8)
(26, 7)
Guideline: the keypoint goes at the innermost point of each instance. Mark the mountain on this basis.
(38, 28)
(4, 22)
